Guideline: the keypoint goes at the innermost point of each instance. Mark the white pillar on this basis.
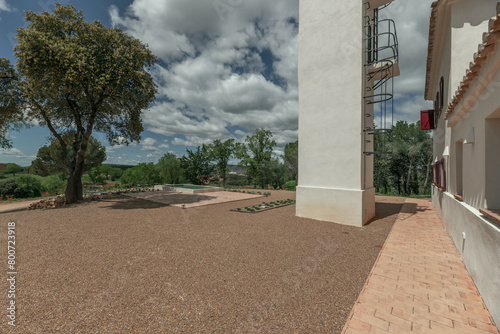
(335, 176)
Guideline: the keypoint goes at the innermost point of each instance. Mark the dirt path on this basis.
(15, 206)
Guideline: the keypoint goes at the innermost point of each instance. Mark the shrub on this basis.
(8, 188)
(28, 186)
(53, 183)
(290, 185)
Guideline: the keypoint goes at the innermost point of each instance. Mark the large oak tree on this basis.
(48, 159)
(79, 77)
(11, 115)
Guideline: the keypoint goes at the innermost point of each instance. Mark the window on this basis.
(441, 94)
(492, 159)
(443, 175)
(427, 120)
(458, 168)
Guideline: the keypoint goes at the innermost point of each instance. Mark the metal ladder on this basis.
(381, 61)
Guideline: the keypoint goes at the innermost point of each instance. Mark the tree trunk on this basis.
(402, 185)
(74, 188)
(427, 175)
(408, 179)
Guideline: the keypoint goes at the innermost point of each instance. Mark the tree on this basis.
(143, 173)
(196, 165)
(130, 177)
(95, 175)
(221, 152)
(407, 170)
(279, 173)
(147, 173)
(49, 158)
(11, 116)
(115, 173)
(79, 77)
(13, 168)
(169, 167)
(54, 183)
(257, 155)
(106, 171)
(291, 159)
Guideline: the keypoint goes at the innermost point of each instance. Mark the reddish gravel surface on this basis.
(127, 265)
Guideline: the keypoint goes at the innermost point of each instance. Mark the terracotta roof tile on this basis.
(430, 48)
(485, 49)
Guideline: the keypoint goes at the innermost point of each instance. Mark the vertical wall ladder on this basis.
(380, 68)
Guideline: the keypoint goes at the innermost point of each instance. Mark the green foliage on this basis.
(290, 185)
(8, 188)
(96, 176)
(130, 177)
(148, 173)
(280, 174)
(170, 170)
(407, 170)
(106, 171)
(257, 154)
(143, 173)
(51, 159)
(221, 152)
(79, 77)
(196, 165)
(13, 169)
(236, 180)
(11, 101)
(115, 173)
(291, 159)
(54, 183)
(25, 186)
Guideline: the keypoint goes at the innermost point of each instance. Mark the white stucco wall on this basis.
(331, 84)
(469, 20)
(480, 251)
(475, 180)
(480, 161)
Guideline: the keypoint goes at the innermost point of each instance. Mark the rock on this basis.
(48, 203)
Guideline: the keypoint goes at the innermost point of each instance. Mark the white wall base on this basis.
(342, 206)
(480, 250)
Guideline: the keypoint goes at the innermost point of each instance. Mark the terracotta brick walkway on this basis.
(419, 283)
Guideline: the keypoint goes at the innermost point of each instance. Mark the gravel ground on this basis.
(127, 265)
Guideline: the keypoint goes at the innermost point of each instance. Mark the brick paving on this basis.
(419, 284)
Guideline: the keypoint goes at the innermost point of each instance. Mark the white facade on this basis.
(336, 177)
(468, 134)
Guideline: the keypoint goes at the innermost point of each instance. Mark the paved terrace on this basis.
(419, 283)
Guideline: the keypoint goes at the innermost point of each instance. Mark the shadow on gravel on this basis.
(152, 200)
(131, 203)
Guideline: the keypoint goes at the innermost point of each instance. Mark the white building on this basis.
(347, 58)
(463, 80)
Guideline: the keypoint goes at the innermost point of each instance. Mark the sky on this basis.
(227, 67)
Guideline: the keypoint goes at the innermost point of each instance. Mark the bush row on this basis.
(28, 186)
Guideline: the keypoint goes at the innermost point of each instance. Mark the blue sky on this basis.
(227, 68)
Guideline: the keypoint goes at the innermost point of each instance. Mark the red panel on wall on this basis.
(427, 120)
